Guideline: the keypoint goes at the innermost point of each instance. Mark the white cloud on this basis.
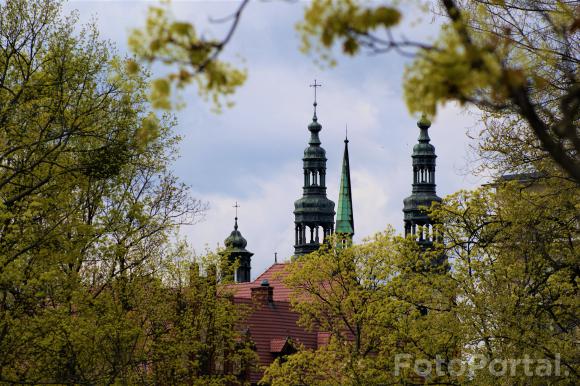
(370, 203)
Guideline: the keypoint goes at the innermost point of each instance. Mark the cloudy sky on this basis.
(252, 152)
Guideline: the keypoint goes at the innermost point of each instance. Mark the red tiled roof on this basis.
(271, 325)
(268, 325)
(277, 345)
(274, 274)
(322, 338)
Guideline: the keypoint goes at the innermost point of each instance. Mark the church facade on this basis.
(272, 324)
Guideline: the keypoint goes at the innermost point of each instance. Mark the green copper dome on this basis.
(314, 128)
(314, 208)
(236, 252)
(235, 241)
(424, 148)
(314, 150)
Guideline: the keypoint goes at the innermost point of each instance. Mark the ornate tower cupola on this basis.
(417, 222)
(344, 217)
(313, 213)
(236, 252)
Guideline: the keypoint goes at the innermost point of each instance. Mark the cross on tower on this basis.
(315, 85)
(236, 206)
(236, 221)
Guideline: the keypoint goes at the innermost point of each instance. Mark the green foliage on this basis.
(465, 62)
(509, 58)
(326, 21)
(195, 60)
(306, 368)
(515, 262)
(370, 299)
(88, 207)
(508, 290)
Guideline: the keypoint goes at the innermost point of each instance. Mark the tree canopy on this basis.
(94, 287)
(507, 291)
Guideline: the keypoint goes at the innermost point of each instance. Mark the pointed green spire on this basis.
(344, 217)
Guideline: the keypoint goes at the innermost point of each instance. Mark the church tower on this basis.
(314, 212)
(417, 222)
(344, 215)
(236, 252)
